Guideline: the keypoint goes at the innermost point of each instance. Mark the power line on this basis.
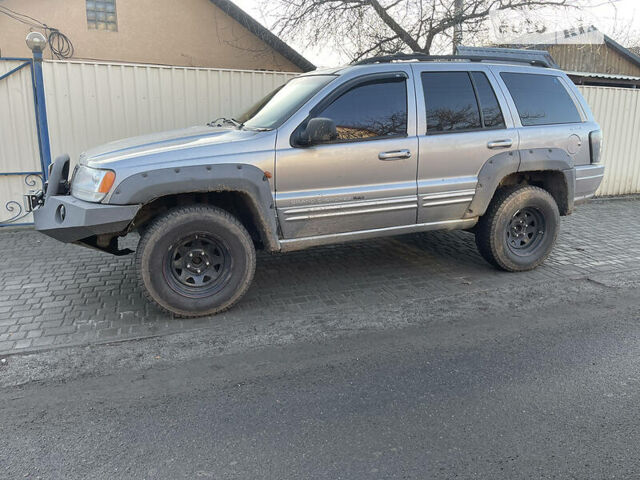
(59, 43)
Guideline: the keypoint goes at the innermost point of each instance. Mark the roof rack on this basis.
(439, 58)
(507, 53)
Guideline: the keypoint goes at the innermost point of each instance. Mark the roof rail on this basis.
(422, 57)
(507, 53)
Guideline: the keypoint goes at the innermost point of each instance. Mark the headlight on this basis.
(91, 184)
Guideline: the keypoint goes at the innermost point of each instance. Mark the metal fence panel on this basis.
(89, 104)
(93, 103)
(617, 110)
(18, 140)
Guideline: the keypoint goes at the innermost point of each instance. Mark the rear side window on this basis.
(459, 101)
(489, 107)
(541, 99)
(450, 102)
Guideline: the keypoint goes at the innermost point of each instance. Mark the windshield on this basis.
(279, 105)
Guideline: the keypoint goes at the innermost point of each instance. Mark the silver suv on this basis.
(387, 146)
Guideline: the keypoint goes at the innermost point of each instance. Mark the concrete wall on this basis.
(166, 32)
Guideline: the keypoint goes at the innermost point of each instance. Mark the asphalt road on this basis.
(526, 381)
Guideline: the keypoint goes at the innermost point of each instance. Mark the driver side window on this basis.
(370, 110)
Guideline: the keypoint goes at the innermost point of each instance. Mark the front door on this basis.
(366, 178)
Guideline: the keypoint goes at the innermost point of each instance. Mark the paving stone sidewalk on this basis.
(52, 294)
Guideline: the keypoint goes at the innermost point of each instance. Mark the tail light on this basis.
(595, 144)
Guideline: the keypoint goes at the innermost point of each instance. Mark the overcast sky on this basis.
(610, 16)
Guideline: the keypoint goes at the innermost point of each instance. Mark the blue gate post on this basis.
(37, 42)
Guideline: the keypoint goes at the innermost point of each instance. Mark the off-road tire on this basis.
(495, 235)
(220, 236)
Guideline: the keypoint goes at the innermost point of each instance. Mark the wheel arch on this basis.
(242, 190)
(553, 181)
(549, 168)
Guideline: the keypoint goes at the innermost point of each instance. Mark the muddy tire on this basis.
(519, 229)
(196, 260)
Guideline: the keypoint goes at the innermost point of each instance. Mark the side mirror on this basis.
(319, 130)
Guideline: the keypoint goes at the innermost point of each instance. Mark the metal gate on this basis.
(23, 159)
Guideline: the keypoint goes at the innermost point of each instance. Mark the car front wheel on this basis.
(196, 260)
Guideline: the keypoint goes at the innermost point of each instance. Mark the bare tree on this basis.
(626, 32)
(363, 28)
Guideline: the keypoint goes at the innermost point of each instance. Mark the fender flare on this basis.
(503, 164)
(249, 180)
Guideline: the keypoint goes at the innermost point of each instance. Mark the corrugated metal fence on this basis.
(89, 104)
(19, 154)
(93, 103)
(617, 110)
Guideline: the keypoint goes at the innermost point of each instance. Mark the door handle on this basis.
(506, 143)
(394, 155)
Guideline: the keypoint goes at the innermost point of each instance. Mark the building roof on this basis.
(611, 76)
(580, 78)
(263, 33)
(625, 52)
(607, 79)
(587, 36)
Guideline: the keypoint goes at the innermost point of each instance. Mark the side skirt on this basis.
(292, 244)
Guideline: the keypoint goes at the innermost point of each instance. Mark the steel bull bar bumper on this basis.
(68, 219)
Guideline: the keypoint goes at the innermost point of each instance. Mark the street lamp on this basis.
(36, 41)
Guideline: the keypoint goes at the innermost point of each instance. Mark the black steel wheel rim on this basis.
(198, 265)
(525, 230)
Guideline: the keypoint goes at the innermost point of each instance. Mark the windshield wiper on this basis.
(218, 122)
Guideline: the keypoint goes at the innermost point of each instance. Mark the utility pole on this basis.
(457, 29)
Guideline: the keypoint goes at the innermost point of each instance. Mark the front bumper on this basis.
(65, 218)
(68, 219)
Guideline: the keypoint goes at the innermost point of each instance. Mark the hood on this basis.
(172, 146)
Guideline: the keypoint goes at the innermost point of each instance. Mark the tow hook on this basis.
(33, 200)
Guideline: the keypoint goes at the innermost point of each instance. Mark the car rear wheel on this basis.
(196, 260)
(519, 229)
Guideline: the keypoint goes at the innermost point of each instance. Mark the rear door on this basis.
(463, 121)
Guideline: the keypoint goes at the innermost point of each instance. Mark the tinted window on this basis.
(450, 101)
(541, 99)
(489, 107)
(372, 109)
